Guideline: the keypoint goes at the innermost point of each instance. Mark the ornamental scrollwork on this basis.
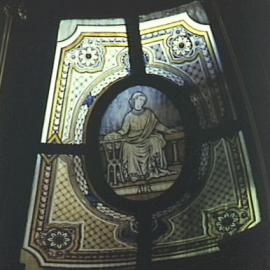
(226, 222)
(89, 56)
(180, 44)
(56, 239)
(183, 44)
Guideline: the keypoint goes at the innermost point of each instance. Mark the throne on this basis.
(111, 152)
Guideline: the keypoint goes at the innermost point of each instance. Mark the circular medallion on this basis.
(142, 143)
(143, 153)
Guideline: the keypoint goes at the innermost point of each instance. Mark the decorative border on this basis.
(186, 46)
(216, 223)
(63, 67)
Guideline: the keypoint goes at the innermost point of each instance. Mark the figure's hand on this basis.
(112, 136)
(171, 130)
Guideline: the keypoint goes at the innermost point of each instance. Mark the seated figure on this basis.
(142, 152)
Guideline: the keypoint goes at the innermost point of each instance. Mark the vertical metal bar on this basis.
(144, 241)
(8, 18)
(135, 48)
(144, 217)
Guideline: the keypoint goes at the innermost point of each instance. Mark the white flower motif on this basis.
(181, 46)
(57, 239)
(227, 222)
(88, 56)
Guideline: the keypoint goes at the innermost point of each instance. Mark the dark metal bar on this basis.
(135, 48)
(5, 38)
(66, 149)
(144, 241)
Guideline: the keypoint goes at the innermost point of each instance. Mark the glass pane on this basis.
(180, 47)
(90, 56)
(69, 225)
(142, 144)
(226, 205)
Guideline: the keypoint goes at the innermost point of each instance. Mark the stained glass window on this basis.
(152, 109)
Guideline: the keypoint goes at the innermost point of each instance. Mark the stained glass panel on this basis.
(142, 141)
(69, 224)
(182, 49)
(90, 55)
(142, 144)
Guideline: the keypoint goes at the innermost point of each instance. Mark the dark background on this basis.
(245, 54)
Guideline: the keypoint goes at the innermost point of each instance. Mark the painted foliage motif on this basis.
(142, 140)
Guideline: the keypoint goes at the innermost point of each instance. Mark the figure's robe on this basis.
(143, 150)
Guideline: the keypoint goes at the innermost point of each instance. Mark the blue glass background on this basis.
(157, 102)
